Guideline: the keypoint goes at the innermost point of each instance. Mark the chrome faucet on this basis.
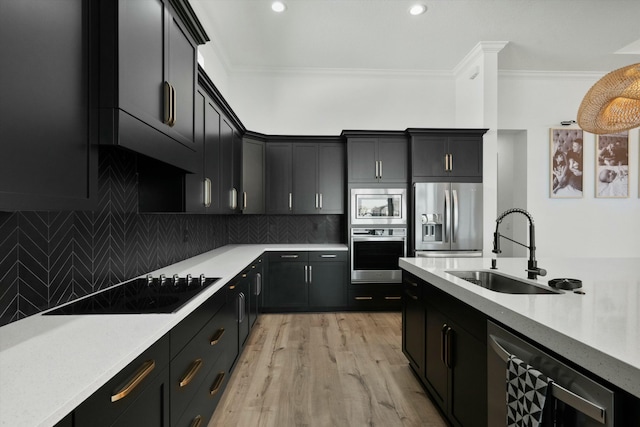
(532, 266)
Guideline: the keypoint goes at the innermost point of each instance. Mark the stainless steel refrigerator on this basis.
(447, 219)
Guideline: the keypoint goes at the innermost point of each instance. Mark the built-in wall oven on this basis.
(375, 252)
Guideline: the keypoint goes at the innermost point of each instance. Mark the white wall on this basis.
(568, 227)
(307, 103)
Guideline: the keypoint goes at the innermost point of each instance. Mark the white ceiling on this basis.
(543, 35)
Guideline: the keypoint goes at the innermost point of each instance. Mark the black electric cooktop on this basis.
(140, 296)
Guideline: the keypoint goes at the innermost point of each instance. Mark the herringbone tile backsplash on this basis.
(48, 258)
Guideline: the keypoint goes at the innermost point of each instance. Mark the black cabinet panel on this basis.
(327, 284)
(253, 167)
(376, 160)
(413, 320)
(47, 157)
(278, 178)
(331, 185)
(287, 284)
(305, 173)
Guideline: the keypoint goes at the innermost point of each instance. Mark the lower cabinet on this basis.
(376, 296)
(300, 281)
(445, 342)
(137, 395)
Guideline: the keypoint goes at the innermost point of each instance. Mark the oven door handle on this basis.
(378, 239)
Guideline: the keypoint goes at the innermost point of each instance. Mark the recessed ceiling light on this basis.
(417, 9)
(278, 6)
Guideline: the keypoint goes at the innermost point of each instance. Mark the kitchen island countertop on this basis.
(598, 330)
(51, 364)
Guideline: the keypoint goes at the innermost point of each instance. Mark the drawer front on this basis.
(300, 256)
(375, 297)
(191, 366)
(113, 399)
(183, 332)
(327, 256)
(208, 395)
(412, 286)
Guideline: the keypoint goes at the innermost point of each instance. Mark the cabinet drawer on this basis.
(184, 331)
(207, 397)
(412, 286)
(288, 256)
(375, 297)
(113, 399)
(190, 367)
(328, 256)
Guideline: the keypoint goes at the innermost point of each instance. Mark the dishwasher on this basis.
(573, 400)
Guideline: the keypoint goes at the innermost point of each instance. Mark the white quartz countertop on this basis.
(599, 331)
(51, 364)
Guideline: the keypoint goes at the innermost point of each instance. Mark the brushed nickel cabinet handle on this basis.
(191, 373)
(137, 377)
(232, 287)
(363, 298)
(244, 200)
(410, 295)
(397, 298)
(217, 336)
(290, 201)
(328, 256)
(310, 274)
(215, 388)
(449, 338)
(443, 344)
(317, 201)
(207, 192)
(377, 174)
(197, 421)
(414, 284)
(288, 256)
(380, 169)
(168, 108)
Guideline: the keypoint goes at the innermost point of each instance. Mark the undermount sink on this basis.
(501, 283)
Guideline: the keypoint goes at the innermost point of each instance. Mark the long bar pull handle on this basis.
(377, 170)
(306, 274)
(449, 349)
(394, 298)
(290, 201)
(409, 294)
(217, 336)
(447, 216)
(244, 200)
(197, 421)
(233, 196)
(191, 373)
(455, 215)
(414, 284)
(168, 107)
(143, 371)
(289, 256)
(570, 398)
(258, 284)
(317, 202)
(320, 200)
(328, 256)
(450, 162)
(446, 162)
(215, 388)
(443, 344)
(363, 298)
(380, 170)
(207, 192)
(310, 274)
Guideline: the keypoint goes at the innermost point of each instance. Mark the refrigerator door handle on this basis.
(454, 214)
(447, 216)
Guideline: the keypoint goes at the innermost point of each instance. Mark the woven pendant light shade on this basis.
(613, 104)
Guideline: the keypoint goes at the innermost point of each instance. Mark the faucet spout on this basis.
(533, 271)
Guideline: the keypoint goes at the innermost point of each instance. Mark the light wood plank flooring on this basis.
(325, 369)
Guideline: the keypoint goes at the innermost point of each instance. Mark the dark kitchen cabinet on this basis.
(377, 159)
(148, 53)
(253, 165)
(375, 296)
(256, 281)
(413, 320)
(445, 342)
(47, 125)
(138, 395)
(446, 154)
(305, 177)
(214, 185)
(299, 281)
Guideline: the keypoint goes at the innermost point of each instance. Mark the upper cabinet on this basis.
(446, 154)
(48, 157)
(253, 164)
(148, 75)
(305, 177)
(215, 184)
(377, 157)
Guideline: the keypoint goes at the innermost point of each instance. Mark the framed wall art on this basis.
(566, 167)
(612, 165)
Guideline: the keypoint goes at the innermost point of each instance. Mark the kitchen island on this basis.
(50, 364)
(597, 330)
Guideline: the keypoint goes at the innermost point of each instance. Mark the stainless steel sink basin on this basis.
(502, 283)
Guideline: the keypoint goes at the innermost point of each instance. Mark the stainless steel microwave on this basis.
(378, 206)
